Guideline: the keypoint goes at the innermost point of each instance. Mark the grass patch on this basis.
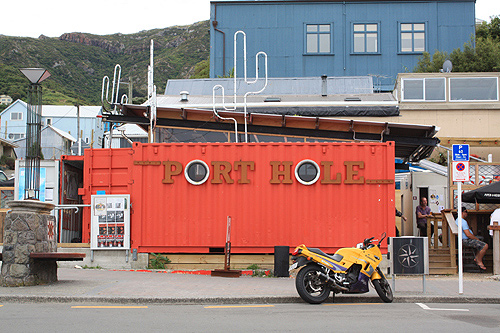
(92, 267)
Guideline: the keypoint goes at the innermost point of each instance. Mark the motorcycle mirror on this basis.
(383, 236)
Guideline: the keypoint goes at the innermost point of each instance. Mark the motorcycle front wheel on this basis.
(383, 289)
(310, 286)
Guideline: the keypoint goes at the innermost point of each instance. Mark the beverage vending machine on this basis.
(110, 226)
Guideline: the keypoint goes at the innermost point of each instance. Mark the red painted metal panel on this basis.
(178, 216)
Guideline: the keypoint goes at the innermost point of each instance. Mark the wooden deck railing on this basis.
(444, 231)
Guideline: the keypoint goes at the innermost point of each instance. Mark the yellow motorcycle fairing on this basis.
(344, 258)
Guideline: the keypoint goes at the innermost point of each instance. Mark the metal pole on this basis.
(460, 261)
(33, 142)
(78, 129)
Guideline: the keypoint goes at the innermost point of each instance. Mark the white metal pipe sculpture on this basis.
(235, 86)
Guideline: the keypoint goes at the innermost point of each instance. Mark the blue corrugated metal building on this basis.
(337, 38)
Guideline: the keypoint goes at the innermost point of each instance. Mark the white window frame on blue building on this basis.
(318, 35)
(411, 32)
(364, 31)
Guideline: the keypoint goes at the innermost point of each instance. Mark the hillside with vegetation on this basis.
(78, 62)
(481, 54)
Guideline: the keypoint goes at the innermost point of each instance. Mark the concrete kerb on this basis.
(163, 287)
(241, 300)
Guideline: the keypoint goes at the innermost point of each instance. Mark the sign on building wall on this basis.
(110, 227)
(22, 183)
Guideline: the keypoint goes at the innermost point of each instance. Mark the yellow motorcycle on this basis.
(348, 271)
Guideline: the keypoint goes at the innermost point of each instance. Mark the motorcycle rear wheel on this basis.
(310, 286)
(383, 289)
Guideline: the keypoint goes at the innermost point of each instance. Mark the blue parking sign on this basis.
(461, 153)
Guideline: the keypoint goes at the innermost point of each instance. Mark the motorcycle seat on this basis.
(336, 257)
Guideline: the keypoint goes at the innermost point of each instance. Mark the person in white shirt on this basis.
(495, 216)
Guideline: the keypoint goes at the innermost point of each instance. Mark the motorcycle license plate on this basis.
(293, 266)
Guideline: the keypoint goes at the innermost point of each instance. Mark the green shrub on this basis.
(159, 261)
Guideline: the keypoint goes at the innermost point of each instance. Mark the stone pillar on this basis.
(28, 228)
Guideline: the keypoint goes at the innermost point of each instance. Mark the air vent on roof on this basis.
(352, 99)
(272, 99)
(184, 96)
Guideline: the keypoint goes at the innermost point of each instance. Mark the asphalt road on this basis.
(330, 317)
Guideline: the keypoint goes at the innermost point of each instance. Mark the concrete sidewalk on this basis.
(136, 287)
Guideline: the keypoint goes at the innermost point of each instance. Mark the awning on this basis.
(413, 142)
(485, 194)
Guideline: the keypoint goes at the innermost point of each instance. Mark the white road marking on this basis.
(425, 307)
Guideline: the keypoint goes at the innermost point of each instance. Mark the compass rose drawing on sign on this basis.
(408, 255)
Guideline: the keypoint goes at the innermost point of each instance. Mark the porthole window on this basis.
(196, 172)
(307, 172)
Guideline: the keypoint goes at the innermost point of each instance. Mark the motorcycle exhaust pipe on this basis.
(332, 281)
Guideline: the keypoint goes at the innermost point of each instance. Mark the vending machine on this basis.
(110, 227)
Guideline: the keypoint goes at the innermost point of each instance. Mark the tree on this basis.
(491, 29)
(481, 54)
(201, 70)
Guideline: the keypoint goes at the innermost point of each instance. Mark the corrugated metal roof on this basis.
(61, 133)
(275, 86)
(375, 105)
(130, 130)
(197, 101)
(434, 167)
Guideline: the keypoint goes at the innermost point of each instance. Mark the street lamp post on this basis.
(33, 131)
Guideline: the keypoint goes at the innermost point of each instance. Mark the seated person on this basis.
(468, 239)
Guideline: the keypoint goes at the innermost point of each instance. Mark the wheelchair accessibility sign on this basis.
(460, 171)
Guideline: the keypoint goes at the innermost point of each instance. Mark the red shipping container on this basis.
(254, 183)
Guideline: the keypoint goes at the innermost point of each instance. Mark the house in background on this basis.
(5, 100)
(125, 135)
(63, 117)
(55, 142)
(337, 38)
(7, 148)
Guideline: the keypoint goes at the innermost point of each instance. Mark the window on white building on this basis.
(16, 136)
(424, 89)
(474, 89)
(16, 116)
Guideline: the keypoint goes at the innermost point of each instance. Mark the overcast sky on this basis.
(101, 17)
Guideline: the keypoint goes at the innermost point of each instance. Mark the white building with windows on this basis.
(5, 100)
(64, 117)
